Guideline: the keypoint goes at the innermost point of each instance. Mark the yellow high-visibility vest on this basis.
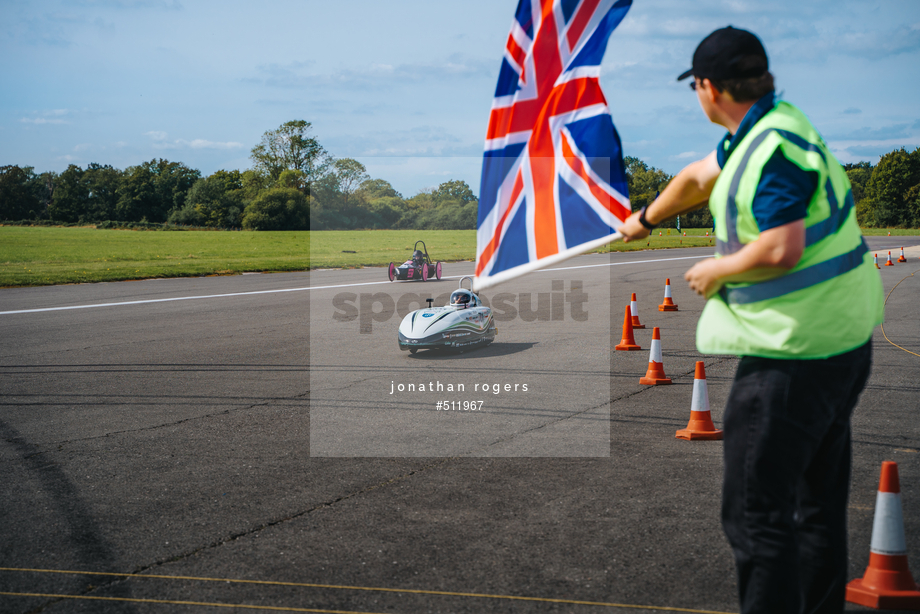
(830, 302)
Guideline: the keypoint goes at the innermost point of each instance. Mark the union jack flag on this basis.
(553, 180)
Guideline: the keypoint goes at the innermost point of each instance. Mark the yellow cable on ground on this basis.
(176, 602)
(338, 587)
(883, 325)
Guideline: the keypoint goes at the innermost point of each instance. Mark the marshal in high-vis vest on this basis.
(830, 302)
(794, 293)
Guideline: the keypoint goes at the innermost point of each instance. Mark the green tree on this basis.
(888, 190)
(324, 192)
(254, 181)
(421, 201)
(153, 189)
(102, 182)
(386, 211)
(71, 196)
(19, 199)
(859, 175)
(292, 179)
(215, 201)
(349, 174)
(278, 209)
(85, 195)
(137, 196)
(454, 190)
(644, 181)
(378, 188)
(290, 147)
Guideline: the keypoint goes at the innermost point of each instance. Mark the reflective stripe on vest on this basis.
(813, 233)
(815, 274)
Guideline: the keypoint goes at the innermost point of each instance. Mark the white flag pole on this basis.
(481, 283)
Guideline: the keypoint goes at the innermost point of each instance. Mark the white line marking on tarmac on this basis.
(369, 283)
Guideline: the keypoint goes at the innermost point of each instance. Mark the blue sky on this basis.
(406, 86)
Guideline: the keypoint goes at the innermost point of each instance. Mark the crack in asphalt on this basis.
(225, 412)
(139, 571)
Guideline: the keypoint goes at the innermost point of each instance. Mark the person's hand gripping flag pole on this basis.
(553, 179)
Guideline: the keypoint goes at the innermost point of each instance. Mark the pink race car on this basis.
(419, 266)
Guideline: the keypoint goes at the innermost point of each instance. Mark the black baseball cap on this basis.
(728, 53)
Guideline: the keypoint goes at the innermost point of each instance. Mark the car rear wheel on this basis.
(424, 272)
(391, 271)
(437, 271)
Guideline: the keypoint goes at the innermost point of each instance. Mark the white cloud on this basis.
(377, 75)
(160, 142)
(203, 144)
(41, 120)
(54, 116)
(131, 4)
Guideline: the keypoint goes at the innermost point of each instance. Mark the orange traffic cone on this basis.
(634, 312)
(876, 262)
(629, 341)
(700, 425)
(887, 583)
(889, 262)
(901, 258)
(667, 304)
(655, 375)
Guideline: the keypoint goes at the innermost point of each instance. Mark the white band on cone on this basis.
(655, 352)
(888, 526)
(700, 400)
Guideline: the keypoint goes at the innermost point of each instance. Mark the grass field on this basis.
(894, 232)
(356, 248)
(39, 256)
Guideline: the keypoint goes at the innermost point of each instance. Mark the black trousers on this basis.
(787, 474)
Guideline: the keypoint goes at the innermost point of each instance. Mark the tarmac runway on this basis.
(178, 445)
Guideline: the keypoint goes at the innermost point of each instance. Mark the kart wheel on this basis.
(391, 271)
(437, 271)
(413, 351)
(424, 272)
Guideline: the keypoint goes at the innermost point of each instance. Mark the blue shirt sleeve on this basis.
(722, 149)
(783, 193)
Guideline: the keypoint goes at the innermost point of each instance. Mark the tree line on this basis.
(887, 195)
(294, 184)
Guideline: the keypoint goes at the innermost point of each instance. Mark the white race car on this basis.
(463, 324)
